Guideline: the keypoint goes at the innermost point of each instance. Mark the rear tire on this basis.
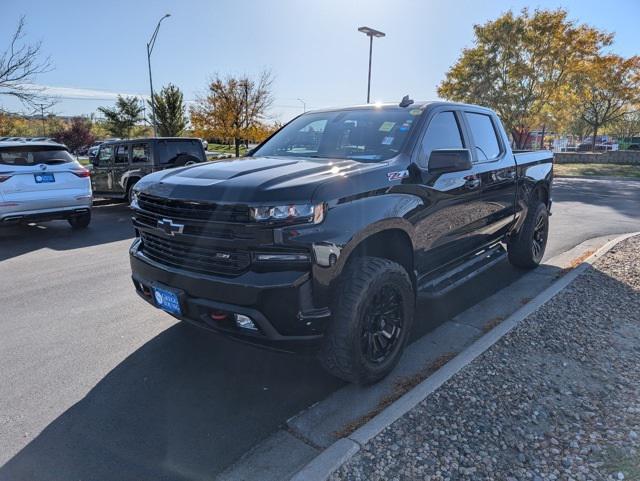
(372, 319)
(527, 248)
(81, 221)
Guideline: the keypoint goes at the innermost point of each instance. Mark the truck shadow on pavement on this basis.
(109, 224)
(189, 403)
(183, 406)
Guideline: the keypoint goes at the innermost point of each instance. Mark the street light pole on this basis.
(150, 45)
(370, 32)
(304, 105)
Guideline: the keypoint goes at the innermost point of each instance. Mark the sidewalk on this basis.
(556, 398)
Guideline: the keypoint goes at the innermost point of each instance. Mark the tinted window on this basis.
(34, 155)
(484, 136)
(180, 150)
(122, 154)
(443, 133)
(367, 135)
(139, 152)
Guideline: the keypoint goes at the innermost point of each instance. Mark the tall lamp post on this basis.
(370, 32)
(150, 45)
(304, 105)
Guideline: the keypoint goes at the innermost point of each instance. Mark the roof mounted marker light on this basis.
(406, 101)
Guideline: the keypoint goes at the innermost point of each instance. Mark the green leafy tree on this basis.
(170, 111)
(607, 90)
(521, 64)
(121, 119)
(233, 108)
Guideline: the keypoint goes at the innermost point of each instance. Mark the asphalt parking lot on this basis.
(96, 384)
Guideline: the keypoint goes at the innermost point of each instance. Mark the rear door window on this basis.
(122, 154)
(27, 155)
(140, 153)
(484, 136)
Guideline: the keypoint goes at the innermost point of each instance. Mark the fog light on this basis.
(245, 322)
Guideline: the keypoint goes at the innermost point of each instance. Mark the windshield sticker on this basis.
(415, 111)
(387, 141)
(404, 127)
(386, 126)
(401, 174)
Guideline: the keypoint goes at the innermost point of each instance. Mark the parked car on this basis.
(41, 181)
(119, 164)
(325, 235)
(93, 149)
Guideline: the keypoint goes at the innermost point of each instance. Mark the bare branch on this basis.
(20, 64)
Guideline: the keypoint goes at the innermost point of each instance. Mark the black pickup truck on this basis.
(324, 236)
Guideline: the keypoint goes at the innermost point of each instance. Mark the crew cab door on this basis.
(462, 210)
(451, 200)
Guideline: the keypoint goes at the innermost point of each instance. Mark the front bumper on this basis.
(279, 302)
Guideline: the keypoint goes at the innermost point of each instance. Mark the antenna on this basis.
(406, 101)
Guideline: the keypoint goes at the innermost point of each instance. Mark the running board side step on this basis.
(442, 284)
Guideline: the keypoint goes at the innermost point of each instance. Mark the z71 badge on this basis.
(401, 174)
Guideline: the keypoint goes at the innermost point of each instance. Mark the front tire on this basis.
(527, 248)
(81, 221)
(372, 319)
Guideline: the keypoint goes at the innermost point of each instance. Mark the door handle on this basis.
(472, 182)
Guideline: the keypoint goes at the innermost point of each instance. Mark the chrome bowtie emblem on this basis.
(169, 227)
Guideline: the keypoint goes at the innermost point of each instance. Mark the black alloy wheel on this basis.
(383, 325)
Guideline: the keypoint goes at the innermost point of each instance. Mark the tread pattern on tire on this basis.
(519, 249)
(336, 353)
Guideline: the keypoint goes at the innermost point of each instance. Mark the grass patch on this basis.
(605, 170)
(617, 461)
(225, 149)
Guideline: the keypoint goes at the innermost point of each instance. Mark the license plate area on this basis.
(167, 299)
(44, 178)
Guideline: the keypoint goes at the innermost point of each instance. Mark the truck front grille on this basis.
(183, 209)
(194, 257)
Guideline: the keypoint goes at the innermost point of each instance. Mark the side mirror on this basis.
(449, 160)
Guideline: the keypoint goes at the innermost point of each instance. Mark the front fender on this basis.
(347, 225)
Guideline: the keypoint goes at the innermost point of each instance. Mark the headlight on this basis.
(293, 213)
(134, 200)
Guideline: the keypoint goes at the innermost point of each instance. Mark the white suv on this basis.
(42, 181)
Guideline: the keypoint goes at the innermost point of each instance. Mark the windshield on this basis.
(28, 155)
(370, 134)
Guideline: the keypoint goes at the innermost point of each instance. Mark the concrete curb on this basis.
(321, 467)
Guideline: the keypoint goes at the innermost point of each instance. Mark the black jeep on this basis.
(119, 164)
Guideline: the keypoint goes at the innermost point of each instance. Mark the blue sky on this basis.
(312, 48)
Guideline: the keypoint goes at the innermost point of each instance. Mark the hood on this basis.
(253, 179)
